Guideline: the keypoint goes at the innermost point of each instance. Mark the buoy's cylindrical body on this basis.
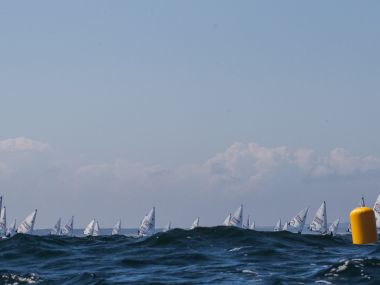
(363, 226)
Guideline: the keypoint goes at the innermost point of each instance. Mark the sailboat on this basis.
(67, 230)
(237, 218)
(195, 224)
(116, 228)
(298, 222)
(96, 230)
(278, 226)
(227, 221)
(3, 222)
(376, 209)
(349, 230)
(89, 230)
(12, 229)
(319, 223)
(248, 223)
(148, 224)
(285, 227)
(168, 227)
(253, 226)
(56, 230)
(27, 225)
(334, 227)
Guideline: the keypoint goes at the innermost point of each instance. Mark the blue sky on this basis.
(193, 107)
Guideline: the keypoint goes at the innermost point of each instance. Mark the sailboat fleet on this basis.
(147, 227)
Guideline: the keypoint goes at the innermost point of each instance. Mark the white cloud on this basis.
(247, 164)
(340, 162)
(22, 144)
(239, 167)
(250, 164)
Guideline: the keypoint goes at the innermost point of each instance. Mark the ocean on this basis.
(216, 255)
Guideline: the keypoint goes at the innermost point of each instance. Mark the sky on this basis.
(110, 108)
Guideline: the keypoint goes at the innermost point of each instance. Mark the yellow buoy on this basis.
(363, 226)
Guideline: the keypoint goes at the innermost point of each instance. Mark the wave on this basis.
(200, 256)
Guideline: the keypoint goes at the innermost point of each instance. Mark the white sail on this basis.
(376, 209)
(56, 230)
(117, 227)
(298, 222)
(3, 221)
(12, 229)
(168, 227)
(253, 226)
(248, 223)
(319, 223)
(278, 226)
(148, 224)
(227, 221)
(195, 224)
(89, 230)
(334, 227)
(27, 225)
(96, 231)
(349, 228)
(237, 218)
(69, 227)
(285, 227)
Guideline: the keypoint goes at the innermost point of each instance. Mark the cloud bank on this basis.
(271, 180)
(244, 167)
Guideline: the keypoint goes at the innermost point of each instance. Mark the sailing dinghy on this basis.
(227, 221)
(278, 226)
(195, 224)
(3, 222)
(237, 218)
(168, 227)
(96, 231)
(253, 226)
(319, 223)
(376, 209)
(12, 229)
(89, 230)
(248, 223)
(27, 225)
(334, 227)
(68, 229)
(56, 230)
(116, 228)
(298, 222)
(148, 224)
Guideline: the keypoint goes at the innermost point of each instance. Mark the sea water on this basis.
(216, 255)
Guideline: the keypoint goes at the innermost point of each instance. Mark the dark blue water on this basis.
(216, 255)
